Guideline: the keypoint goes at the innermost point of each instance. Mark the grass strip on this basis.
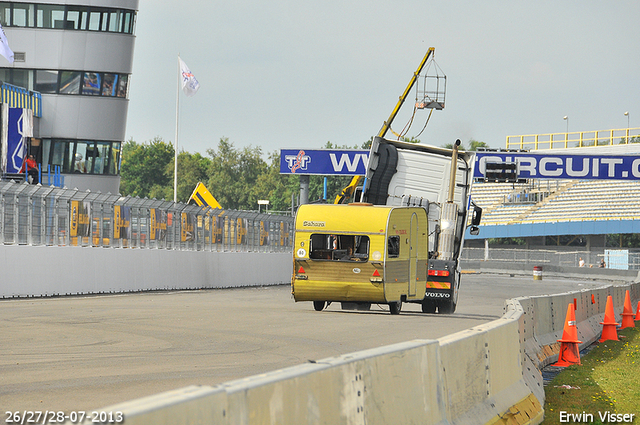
(604, 389)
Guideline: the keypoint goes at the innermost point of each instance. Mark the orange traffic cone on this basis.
(569, 350)
(627, 313)
(638, 312)
(609, 331)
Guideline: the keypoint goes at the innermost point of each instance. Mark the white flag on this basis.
(189, 83)
(5, 50)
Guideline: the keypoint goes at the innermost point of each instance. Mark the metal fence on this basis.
(614, 258)
(41, 215)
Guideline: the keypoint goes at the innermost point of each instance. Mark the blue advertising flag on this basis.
(561, 166)
(345, 162)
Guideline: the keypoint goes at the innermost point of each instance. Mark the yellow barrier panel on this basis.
(578, 139)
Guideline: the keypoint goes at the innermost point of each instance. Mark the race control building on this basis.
(78, 54)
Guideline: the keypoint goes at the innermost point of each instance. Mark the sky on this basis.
(289, 74)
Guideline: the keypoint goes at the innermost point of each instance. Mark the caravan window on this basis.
(336, 247)
(393, 246)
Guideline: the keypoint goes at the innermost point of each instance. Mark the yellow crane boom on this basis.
(347, 192)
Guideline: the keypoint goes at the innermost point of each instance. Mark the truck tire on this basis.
(428, 306)
(395, 307)
(447, 307)
(379, 185)
(318, 305)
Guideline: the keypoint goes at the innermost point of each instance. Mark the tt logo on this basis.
(297, 162)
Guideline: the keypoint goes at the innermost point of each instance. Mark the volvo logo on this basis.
(437, 295)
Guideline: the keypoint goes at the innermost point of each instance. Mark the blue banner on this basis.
(550, 166)
(16, 140)
(324, 162)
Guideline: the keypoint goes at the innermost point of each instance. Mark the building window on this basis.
(123, 86)
(22, 78)
(109, 84)
(73, 20)
(23, 15)
(91, 84)
(50, 16)
(46, 81)
(81, 156)
(70, 82)
(94, 21)
(70, 17)
(5, 14)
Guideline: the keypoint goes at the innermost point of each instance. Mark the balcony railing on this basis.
(18, 97)
(576, 139)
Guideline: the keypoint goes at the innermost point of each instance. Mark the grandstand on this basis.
(557, 201)
(562, 216)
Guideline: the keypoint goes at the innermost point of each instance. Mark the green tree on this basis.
(474, 145)
(192, 169)
(277, 188)
(411, 140)
(144, 168)
(233, 175)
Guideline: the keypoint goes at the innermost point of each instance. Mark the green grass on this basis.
(607, 380)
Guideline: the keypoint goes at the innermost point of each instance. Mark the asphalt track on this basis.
(83, 353)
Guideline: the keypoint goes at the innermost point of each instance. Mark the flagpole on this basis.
(175, 144)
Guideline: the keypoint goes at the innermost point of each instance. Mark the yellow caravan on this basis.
(359, 254)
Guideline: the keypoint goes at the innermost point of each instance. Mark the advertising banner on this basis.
(122, 222)
(187, 228)
(552, 166)
(324, 162)
(218, 226)
(158, 219)
(264, 233)
(241, 231)
(284, 234)
(80, 226)
(17, 127)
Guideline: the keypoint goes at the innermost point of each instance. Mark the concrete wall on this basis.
(484, 375)
(523, 269)
(29, 271)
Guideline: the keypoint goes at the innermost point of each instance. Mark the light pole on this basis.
(627, 115)
(566, 118)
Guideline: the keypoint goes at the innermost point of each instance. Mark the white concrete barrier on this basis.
(34, 271)
(484, 375)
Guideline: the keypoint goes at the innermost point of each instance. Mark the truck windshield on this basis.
(336, 247)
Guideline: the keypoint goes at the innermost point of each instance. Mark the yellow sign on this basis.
(202, 197)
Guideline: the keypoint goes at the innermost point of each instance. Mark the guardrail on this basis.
(485, 375)
(574, 139)
(51, 216)
(515, 259)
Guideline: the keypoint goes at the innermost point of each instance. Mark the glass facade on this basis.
(71, 156)
(68, 17)
(85, 83)
(81, 156)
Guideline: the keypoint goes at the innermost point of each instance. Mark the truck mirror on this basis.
(476, 216)
(474, 230)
